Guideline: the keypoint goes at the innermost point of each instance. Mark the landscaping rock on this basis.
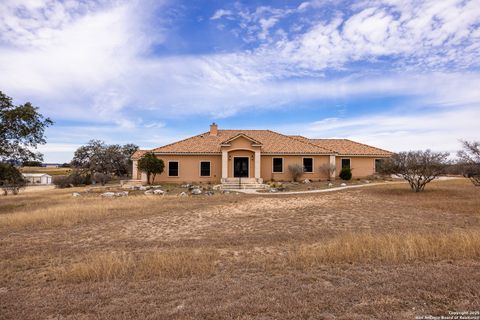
(225, 191)
(121, 194)
(343, 185)
(148, 192)
(330, 185)
(209, 193)
(367, 181)
(273, 190)
(108, 194)
(306, 181)
(158, 192)
(196, 191)
(185, 186)
(76, 194)
(183, 194)
(144, 188)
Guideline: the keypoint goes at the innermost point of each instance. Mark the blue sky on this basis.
(396, 74)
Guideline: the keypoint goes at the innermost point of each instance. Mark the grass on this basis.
(123, 265)
(378, 252)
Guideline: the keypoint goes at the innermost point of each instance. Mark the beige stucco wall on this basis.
(189, 169)
(268, 174)
(361, 166)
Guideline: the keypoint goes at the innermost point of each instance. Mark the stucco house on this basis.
(220, 156)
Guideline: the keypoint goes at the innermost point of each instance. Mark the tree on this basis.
(31, 163)
(328, 169)
(469, 161)
(151, 165)
(417, 167)
(22, 128)
(10, 179)
(98, 157)
(296, 171)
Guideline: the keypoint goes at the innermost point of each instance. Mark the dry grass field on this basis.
(378, 252)
(51, 171)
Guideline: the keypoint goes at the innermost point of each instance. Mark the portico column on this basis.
(332, 166)
(257, 164)
(134, 170)
(224, 164)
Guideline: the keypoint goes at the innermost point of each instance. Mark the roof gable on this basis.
(241, 135)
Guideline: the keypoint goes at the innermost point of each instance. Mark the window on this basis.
(204, 168)
(345, 163)
(173, 168)
(307, 164)
(378, 165)
(278, 165)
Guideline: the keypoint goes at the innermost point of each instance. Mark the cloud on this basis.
(220, 14)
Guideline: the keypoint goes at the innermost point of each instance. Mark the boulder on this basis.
(143, 188)
(343, 185)
(108, 194)
(225, 191)
(76, 194)
(183, 194)
(330, 184)
(121, 194)
(367, 181)
(209, 193)
(158, 191)
(306, 181)
(185, 186)
(196, 191)
(148, 192)
(273, 190)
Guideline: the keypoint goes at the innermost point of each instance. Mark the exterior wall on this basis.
(361, 166)
(189, 169)
(317, 174)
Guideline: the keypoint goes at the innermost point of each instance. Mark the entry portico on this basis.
(241, 158)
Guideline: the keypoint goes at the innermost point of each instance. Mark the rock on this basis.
(306, 181)
(143, 188)
(367, 181)
(196, 191)
(330, 184)
(225, 191)
(273, 190)
(157, 187)
(343, 185)
(209, 193)
(108, 194)
(76, 194)
(121, 194)
(148, 192)
(158, 191)
(185, 186)
(183, 194)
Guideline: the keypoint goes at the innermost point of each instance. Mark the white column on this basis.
(257, 164)
(224, 164)
(134, 169)
(332, 165)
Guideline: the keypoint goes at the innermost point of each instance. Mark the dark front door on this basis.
(240, 167)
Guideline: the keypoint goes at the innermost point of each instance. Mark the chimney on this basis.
(213, 129)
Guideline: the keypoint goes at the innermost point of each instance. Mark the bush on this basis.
(296, 171)
(75, 179)
(102, 178)
(346, 174)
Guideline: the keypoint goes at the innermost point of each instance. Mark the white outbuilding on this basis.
(37, 178)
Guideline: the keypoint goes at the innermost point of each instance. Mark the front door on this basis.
(240, 167)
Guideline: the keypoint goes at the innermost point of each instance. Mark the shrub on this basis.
(346, 173)
(102, 178)
(151, 165)
(10, 179)
(76, 178)
(296, 171)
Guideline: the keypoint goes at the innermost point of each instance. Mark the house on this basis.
(258, 155)
(37, 178)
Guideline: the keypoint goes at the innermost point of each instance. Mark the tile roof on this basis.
(271, 142)
(347, 147)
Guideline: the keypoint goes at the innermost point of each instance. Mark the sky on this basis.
(397, 74)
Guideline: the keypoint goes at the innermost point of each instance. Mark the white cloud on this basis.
(220, 14)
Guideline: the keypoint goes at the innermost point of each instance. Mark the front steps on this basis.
(242, 183)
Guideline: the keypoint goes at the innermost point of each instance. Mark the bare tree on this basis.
(296, 170)
(329, 169)
(469, 160)
(417, 167)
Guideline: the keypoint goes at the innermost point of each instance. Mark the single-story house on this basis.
(37, 178)
(258, 155)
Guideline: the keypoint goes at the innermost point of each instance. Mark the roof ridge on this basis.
(305, 142)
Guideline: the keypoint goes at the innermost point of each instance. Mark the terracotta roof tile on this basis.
(138, 154)
(347, 147)
(272, 142)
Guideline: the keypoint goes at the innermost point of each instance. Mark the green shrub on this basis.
(346, 174)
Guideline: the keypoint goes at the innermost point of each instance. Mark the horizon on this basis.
(397, 75)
